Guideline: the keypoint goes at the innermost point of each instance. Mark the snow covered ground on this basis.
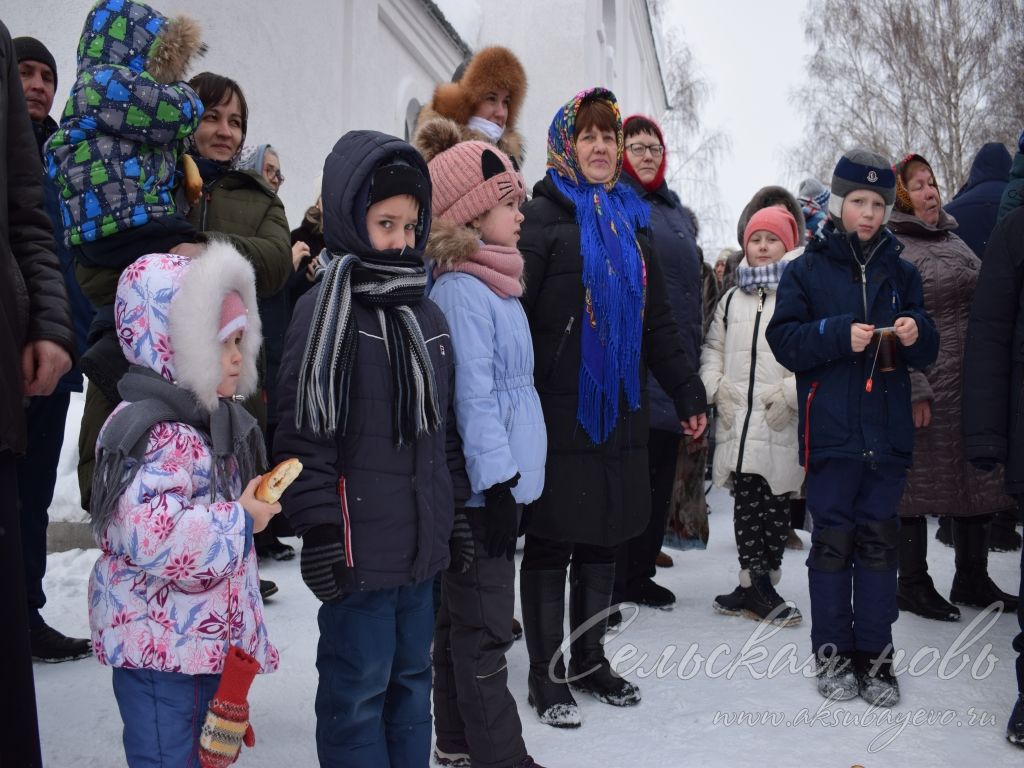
(705, 677)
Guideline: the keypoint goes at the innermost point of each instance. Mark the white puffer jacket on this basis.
(749, 430)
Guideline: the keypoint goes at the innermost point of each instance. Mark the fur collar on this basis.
(451, 244)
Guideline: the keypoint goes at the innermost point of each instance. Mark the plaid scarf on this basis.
(389, 286)
(750, 279)
(614, 275)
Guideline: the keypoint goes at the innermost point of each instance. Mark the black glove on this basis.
(323, 564)
(461, 546)
(501, 524)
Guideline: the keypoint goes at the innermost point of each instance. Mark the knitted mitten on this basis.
(227, 720)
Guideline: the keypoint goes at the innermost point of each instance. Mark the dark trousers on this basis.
(37, 476)
(473, 632)
(1018, 641)
(373, 698)
(761, 521)
(19, 728)
(548, 555)
(854, 552)
(635, 559)
(163, 715)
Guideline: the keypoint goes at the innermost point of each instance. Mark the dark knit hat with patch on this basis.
(861, 169)
(30, 49)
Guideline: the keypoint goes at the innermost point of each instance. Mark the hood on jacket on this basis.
(992, 163)
(772, 195)
(490, 68)
(131, 34)
(902, 223)
(348, 171)
(451, 244)
(168, 310)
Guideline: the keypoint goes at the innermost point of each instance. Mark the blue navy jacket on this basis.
(821, 294)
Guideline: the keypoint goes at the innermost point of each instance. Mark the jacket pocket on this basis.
(346, 522)
(560, 349)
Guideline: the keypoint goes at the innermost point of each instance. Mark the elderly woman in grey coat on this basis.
(941, 481)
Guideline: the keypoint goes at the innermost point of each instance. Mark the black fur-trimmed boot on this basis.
(542, 595)
(590, 594)
(837, 675)
(876, 682)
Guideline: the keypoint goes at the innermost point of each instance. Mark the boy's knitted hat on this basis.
(778, 221)
(470, 178)
(902, 169)
(233, 316)
(862, 169)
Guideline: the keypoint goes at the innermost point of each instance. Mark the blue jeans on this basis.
(852, 562)
(163, 714)
(373, 699)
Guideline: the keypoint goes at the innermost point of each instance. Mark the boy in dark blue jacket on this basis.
(835, 304)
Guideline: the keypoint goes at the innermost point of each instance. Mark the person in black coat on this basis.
(36, 348)
(674, 239)
(976, 205)
(365, 403)
(993, 381)
(599, 317)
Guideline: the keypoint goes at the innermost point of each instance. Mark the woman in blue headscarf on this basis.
(599, 318)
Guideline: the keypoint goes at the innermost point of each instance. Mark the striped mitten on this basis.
(227, 719)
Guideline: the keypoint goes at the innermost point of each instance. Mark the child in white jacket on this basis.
(756, 434)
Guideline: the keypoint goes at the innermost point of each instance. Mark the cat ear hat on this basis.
(469, 177)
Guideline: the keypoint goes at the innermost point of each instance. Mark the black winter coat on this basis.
(994, 359)
(674, 236)
(33, 299)
(976, 205)
(593, 494)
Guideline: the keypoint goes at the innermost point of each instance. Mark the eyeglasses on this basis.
(638, 150)
(276, 175)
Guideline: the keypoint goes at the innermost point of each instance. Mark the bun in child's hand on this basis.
(277, 480)
(193, 180)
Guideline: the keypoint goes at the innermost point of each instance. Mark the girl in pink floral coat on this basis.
(176, 584)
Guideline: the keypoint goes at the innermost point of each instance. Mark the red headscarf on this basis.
(627, 166)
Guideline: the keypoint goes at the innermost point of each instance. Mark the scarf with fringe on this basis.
(750, 279)
(499, 267)
(389, 286)
(152, 399)
(614, 275)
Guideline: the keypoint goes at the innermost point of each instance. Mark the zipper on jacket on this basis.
(349, 558)
(750, 384)
(807, 426)
(206, 208)
(561, 346)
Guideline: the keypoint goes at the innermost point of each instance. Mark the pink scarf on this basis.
(498, 266)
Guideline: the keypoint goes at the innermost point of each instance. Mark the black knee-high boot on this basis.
(971, 584)
(542, 594)
(590, 594)
(915, 591)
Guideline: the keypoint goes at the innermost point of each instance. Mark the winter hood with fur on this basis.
(168, 311)
(120, 137)
(490, 68)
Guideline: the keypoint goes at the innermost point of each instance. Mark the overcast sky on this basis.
(752, 55)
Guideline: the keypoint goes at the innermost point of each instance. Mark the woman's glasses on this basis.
(638, 150)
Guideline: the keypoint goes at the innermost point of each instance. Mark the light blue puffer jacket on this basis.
(497, 409)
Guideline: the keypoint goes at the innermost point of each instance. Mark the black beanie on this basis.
(30, 49)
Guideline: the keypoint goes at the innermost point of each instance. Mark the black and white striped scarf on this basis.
(749, 279)
(389, 286)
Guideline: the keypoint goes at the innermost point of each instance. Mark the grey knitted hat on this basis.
(861, 169)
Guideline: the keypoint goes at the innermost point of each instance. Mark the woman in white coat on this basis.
(756, 451)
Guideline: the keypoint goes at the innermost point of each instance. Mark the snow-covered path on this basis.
(681, 719)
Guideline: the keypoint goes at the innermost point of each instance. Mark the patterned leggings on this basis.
(761, 520)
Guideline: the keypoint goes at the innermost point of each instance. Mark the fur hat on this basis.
(469, 177)
(777, 221)
(490, 68)
(903, 202)
(861, 169)
(30, 49)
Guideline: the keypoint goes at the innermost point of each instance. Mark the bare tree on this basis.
(694, 151)
(896, 76)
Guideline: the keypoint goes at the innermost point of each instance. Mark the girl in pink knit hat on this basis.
(479, 278)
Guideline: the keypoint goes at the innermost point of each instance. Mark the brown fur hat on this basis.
(180, 41)
(490, 68)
